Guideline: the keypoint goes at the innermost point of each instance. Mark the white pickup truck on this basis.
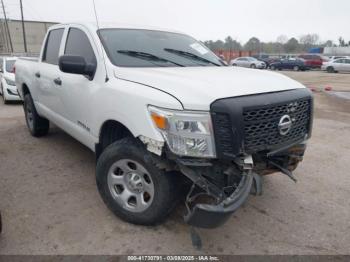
(167, 119)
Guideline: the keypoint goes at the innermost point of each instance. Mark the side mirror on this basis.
(76, 65)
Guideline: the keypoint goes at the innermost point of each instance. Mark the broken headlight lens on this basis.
(186, 133)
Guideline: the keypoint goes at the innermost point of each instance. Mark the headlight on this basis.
(10, 82)
(186, 133)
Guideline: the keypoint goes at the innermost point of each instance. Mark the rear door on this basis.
(48, 73)
(339, 64)
(244, 62)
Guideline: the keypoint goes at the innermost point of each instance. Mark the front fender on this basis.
(127, 103)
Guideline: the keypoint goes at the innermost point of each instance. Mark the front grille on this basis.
(261, 124)
(250, 124)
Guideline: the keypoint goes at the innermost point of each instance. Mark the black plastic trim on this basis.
(234, 107)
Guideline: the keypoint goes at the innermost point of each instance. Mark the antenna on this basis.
(103, 54)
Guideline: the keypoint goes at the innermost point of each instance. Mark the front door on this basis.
(77, 90)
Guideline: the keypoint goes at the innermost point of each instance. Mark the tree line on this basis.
(283, 44)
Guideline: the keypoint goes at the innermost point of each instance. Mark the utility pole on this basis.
(23, 29)
(7, 25)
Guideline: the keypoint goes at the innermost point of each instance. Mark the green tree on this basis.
(253, 45)
(231, 44)
(292, 45)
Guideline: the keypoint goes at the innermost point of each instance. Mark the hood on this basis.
(198, 87)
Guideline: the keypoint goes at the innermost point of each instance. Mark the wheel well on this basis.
(111, 132)
(25, 90)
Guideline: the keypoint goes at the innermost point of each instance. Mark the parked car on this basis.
(161, 112)
(8, 88)
(250, 62)
(291, 64)
(267, 59)
(313, 61)
(330, 58)
(337, 65)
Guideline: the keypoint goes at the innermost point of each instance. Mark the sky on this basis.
(204, 19)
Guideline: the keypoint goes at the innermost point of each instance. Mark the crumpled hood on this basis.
(198, 87)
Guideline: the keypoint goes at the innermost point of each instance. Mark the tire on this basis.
(4, 99)
(37, 125)
(234, 64)
(253, 66)
(120, 165)
(330, 69)
(272, 67)
(3, 96)
(296, 68)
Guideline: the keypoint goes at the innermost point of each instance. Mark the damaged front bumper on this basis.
(211, 216)
(221, 205)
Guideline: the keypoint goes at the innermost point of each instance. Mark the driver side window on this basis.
(78, 44)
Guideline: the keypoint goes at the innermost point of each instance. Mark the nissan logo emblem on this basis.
(285, 125)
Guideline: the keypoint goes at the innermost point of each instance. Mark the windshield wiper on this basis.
(190, 55)
(147, 56)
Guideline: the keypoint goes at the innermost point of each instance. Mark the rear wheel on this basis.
(272, 67)
(37, 125)
(296, 68)
(132, 185)
(330, 69)
(234, 64)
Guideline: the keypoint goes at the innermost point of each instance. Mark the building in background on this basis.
(337, 50)
(35, 33)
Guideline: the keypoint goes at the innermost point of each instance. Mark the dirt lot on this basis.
(50, 204)
(321, 80)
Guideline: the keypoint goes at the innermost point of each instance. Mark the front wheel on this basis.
(37, 125)
(132, 185)
(253, 66)
(296, 68)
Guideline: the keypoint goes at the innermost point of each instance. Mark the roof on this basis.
(105, 25)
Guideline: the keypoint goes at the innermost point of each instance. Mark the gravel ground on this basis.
(321, 80)
(50, 204)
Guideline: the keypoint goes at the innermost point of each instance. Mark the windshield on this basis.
(147, 48)
(9, 65)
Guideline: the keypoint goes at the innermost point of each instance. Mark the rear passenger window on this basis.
(52, 46)
(78, 44)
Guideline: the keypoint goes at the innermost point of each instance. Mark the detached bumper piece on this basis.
(212, 216)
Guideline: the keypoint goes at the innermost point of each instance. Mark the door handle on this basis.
(58, 81)
(37, 74)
